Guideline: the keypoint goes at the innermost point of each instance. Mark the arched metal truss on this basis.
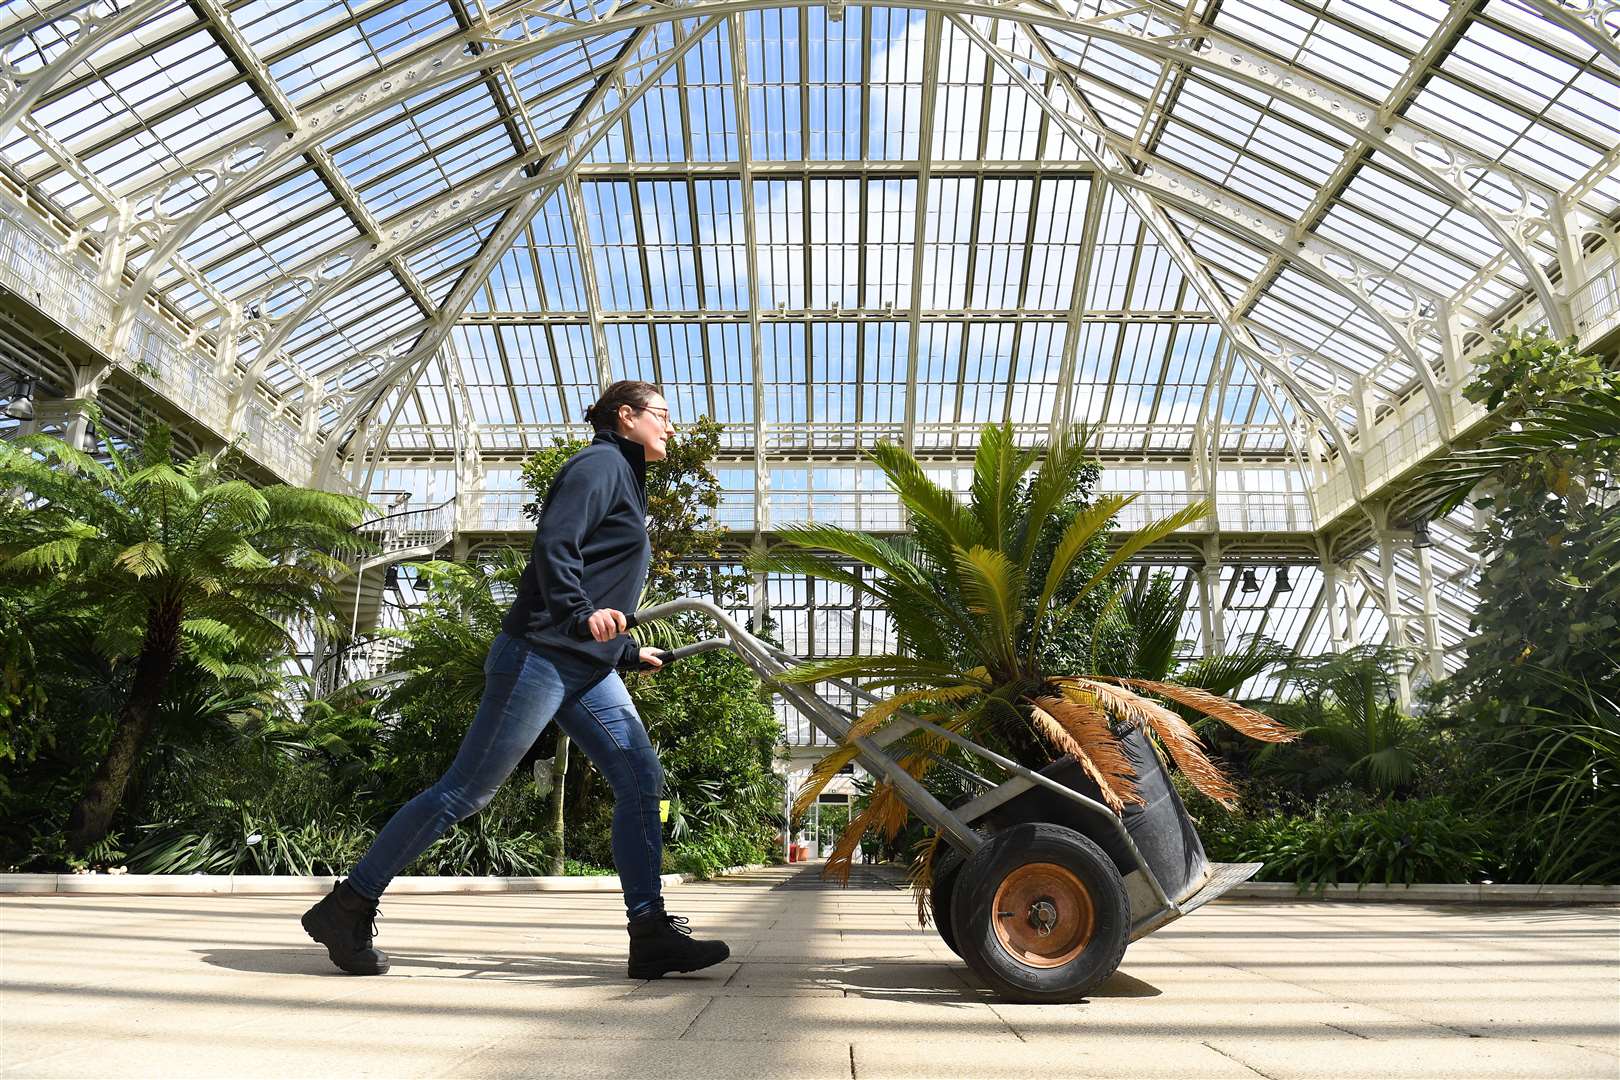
(1398, 345)
(169, 210)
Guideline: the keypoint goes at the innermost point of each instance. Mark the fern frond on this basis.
(144, 559)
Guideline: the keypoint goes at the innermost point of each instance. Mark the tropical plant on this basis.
(447, 638)
(176, 560)
(973, 593)
(1551, 541)
(716, 735)
(1136, 634)
(1352, 727)
(1397, 842)
(228, 838)
(1553, 778)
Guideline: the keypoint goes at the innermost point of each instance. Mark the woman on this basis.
(555, 657)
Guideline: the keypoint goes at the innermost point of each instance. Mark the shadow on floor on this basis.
(312, 960)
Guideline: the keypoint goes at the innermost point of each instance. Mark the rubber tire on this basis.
(947, 866)
(973, 915)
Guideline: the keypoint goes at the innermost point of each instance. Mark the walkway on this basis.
(823, 983)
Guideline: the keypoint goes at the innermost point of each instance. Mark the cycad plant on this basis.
(174, 560)
(975, 593)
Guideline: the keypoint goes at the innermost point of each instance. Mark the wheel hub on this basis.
(1044, 916)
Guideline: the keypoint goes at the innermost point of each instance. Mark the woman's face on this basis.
(649, 425)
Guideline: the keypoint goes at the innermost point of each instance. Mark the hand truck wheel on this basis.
(1040, 914)
(947, 865)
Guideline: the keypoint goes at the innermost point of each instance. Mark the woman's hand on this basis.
(650, 660)
(606, 623)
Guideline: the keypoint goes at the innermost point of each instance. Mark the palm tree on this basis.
(447, 639)
(977, 593)
(1137, 635)
(175, 560)
(1350, 722)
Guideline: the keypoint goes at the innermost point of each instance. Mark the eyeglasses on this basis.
(654, 409)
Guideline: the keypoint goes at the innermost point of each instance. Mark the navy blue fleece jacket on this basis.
(591, 551)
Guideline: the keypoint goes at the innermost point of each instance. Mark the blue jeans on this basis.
(523, 689)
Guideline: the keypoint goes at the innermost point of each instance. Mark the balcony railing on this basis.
(59, 286)
(500, 511)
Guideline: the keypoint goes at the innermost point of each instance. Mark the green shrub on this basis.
(576, 868)
(1555, 783)
(1421, 840)
(706, 854)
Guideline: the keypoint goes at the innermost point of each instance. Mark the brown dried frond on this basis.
(922, 876)
(1240, 718)
(838, 863)
(827, 768)
(1084, 718)
(1176, 735)
(876, 714)
(821, 775)
(1093, 745)
(895, 810)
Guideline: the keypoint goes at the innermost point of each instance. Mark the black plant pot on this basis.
(1160, 826)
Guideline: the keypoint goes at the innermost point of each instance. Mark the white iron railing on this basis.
(59, 286)
(366, 660)
(404, 533)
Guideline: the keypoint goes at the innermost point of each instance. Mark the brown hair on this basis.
(604, 415)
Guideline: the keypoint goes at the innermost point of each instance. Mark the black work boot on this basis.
(345, 922)
(661, 944)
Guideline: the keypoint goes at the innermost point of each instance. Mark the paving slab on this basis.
(823, 982)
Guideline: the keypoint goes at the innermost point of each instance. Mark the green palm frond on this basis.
(1150, 533)
(923, 497)
(998, 469)
(1587, 423)
(879, 670)
(1081, 531)
(1054, 482)
(1226, 672)
(994, 588)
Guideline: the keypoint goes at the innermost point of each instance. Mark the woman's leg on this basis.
(604, 723)
(522, 691)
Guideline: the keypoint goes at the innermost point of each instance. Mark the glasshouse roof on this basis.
(1252, 245)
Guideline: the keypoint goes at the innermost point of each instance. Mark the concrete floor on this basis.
(823, 982)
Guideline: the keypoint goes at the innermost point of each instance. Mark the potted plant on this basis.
(992, 602)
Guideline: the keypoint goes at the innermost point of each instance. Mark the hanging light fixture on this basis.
(391, 579)
(1251, 584)
(21, 406)
(1283, 584)
(1420, 535)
